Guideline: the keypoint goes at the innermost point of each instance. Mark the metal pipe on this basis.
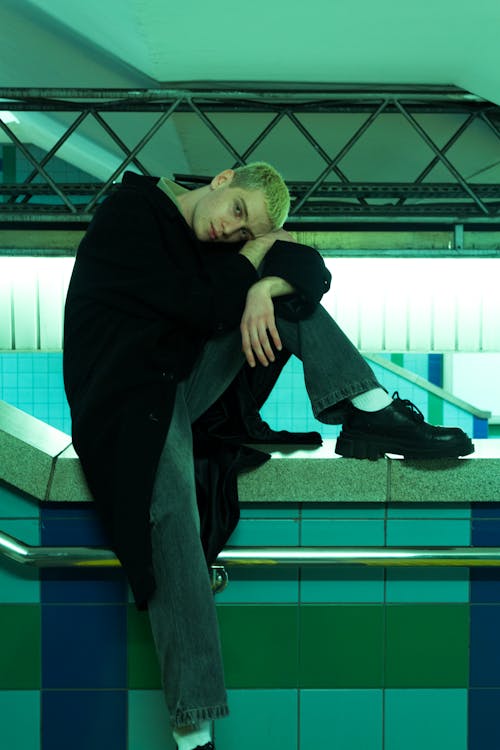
(76, 557)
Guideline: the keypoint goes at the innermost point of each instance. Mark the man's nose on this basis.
(231, 226)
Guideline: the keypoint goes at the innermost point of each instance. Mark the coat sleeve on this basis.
(130, 261)
(304, 268)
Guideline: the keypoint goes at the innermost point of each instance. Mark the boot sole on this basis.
(373, 448)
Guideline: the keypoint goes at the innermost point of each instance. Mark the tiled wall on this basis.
(348, 658)
(365, 659)
(33, 382)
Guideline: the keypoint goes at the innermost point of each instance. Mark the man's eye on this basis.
(237, 209)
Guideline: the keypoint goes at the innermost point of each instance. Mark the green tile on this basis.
(143, 667)
(434, 409)
(341, 646)
(260, 645)
(427, 646)
(20, 659)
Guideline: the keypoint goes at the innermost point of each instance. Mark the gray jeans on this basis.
(182, 611)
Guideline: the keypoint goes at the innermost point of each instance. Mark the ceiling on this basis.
(151, 44)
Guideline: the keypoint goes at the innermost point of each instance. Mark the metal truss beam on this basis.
(320, 200)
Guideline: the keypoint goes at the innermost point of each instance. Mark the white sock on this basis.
(372, 400)
(198, 737)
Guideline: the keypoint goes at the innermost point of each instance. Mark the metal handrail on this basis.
(77, 557)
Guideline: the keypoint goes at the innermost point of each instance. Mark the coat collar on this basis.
(149, 187)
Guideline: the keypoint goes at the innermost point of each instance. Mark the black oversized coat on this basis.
(144, 297)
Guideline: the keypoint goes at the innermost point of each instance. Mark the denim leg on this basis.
(182, 610)
(334, 370)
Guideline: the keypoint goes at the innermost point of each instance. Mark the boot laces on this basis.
(415, 412)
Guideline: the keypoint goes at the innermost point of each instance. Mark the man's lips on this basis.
(213, 233)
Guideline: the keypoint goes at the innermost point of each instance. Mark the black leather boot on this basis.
(399, 428)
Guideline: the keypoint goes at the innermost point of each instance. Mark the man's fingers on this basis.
(256, 343)
(246, 347)
(275, 336)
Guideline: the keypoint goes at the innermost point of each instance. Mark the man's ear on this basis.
(221, 179)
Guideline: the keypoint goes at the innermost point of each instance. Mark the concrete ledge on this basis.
(28, 450)
(317, 475)
(68, 480)
(472, 479)
(41, 461)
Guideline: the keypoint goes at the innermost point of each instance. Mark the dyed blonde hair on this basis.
(262, 176)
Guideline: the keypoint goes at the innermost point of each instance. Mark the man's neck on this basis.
(188, 200)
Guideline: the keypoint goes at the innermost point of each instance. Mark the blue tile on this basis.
(332, 719)
(435, 369)
(485, 582)
(263, 719)
(148, 725)
(81, 720)
(83, 586)
(20, 583)
(484, 727)
(484, 651)
(50, 510)
(73, 532)
(486, 532)
(430, 719)
(20, 715)
(479, 428)
(84, 646)
(485, 585)
(485, 510)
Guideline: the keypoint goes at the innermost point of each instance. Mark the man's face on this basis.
(228, 214)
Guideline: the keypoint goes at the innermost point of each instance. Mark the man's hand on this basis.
(255, 250)
(258, 325)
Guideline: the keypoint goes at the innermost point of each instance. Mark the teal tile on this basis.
(338, 583)
(427, 585)
(263, 585)
(270, 511)
(332, 719)
(148, 721)
(342, 584)
(20, 583)
(17, 504)
(424, 533)
(342, 533)
(20, 715)
(444, 584)
(265, 532)
(430, 719)
(359, 511)
(263, 719)
(452, 415)
(431, 511)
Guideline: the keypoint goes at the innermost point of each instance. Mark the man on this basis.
(174, 292)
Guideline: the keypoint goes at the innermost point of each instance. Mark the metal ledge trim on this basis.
(78, 557)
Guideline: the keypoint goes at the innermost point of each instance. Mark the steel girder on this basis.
(329, 198)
